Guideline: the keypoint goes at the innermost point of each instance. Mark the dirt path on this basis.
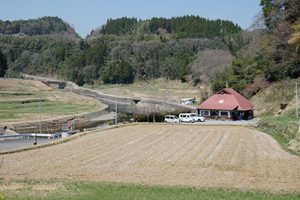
(200, 156)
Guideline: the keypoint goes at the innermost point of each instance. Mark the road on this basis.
(20, 143)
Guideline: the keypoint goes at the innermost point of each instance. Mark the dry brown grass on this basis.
(162, 89)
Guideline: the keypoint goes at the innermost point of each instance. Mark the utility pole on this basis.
(40, 121)
(116, 105)
(40, 107)
(116, 109)
(227, 84)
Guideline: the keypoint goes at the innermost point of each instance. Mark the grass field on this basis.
(11, 111)
(158, 89)
(81, 190)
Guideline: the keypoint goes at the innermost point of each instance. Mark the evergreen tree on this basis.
(3, 64)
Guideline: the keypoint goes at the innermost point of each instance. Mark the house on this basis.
(226, 104)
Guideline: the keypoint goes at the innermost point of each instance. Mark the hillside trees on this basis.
(193, 27)
(285, 60)
(3, 64)
(38, 55)
(272, 54)
(85, 63)
(119, 72)
(119, 26)
(121, 51)
(41, 26)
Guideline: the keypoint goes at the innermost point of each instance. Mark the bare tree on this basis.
(210, 62)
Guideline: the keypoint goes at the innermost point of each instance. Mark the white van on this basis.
(171, 119)
(186, 117)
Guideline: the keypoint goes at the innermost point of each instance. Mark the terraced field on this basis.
(20, 101)
(191, 155)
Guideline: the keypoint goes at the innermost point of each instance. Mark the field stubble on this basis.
(199, 156)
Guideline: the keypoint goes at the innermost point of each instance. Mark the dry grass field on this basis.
(188, 155)
(162, 89)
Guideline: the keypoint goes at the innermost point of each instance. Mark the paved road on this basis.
(19, 143)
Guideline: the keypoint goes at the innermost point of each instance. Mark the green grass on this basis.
(94, 190)
(17, 110)
(282, 128)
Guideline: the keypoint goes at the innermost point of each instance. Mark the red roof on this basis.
(227, 99)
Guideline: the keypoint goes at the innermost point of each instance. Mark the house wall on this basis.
(226, 114)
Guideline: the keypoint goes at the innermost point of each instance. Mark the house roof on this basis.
(227, 99)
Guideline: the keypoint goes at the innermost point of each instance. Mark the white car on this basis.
(197, 118)
(171, 119)
(186, 117)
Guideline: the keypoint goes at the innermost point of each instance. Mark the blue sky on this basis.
(85, 15)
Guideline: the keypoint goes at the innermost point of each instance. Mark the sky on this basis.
(85, 15)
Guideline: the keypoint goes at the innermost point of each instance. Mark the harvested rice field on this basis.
(160, 154)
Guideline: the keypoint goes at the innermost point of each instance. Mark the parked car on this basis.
(197, 118)
(186, 117)
(171, 119)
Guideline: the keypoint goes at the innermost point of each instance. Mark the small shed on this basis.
(227, 104)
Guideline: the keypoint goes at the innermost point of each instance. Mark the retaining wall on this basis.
(78, 121)
(134, 105)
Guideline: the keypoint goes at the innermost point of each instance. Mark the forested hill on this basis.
(179, 27)
(33, 27)
(188, 48)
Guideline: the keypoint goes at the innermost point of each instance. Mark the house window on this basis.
(224, 113)
(214, 113)
(204, 112)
